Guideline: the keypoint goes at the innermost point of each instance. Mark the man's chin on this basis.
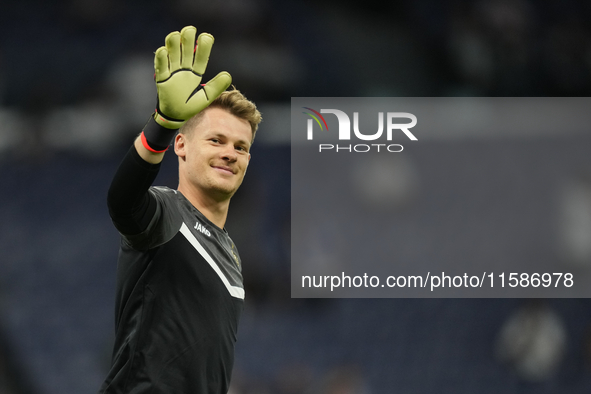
(218, 189)
(224, 191)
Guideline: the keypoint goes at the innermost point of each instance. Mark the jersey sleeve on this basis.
(144, 216)
(165, 223)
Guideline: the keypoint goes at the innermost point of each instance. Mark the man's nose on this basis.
(229, 153)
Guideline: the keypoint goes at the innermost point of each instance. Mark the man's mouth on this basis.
(224, 169)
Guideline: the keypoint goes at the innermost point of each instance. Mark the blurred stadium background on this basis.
(76, 87)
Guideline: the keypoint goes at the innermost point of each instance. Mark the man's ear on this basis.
(247, 162)
(180, 145)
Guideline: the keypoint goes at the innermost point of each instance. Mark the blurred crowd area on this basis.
(69, 63)
(76, 86)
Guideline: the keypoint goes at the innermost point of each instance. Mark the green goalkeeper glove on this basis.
(179, 67)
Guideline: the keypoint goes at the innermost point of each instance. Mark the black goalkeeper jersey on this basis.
(179, 300)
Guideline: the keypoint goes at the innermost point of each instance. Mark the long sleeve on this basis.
(131, 205)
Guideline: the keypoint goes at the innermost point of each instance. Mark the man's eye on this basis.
(215, 140)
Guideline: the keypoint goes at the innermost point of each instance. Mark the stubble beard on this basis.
(221, 190)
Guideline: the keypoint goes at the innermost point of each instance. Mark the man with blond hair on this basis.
(179, 276)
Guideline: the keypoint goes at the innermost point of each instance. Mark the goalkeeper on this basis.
(179, 282)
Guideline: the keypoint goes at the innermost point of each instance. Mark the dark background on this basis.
(76, 87)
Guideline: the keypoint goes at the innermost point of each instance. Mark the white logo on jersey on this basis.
(201, 228)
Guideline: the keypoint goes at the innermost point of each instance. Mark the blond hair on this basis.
(235, 103)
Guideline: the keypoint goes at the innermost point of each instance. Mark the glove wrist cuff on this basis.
(168, 123)
(155, 137)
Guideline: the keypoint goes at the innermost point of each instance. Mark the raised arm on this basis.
(179, 66)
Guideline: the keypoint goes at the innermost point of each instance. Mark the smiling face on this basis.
(214, 155)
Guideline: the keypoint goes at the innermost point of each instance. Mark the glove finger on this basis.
(210, 91)
(187, 46)
(173, 45)
(161, 64)
(217, 85)
(204, 44)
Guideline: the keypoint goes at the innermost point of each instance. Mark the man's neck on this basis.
(214, 210)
